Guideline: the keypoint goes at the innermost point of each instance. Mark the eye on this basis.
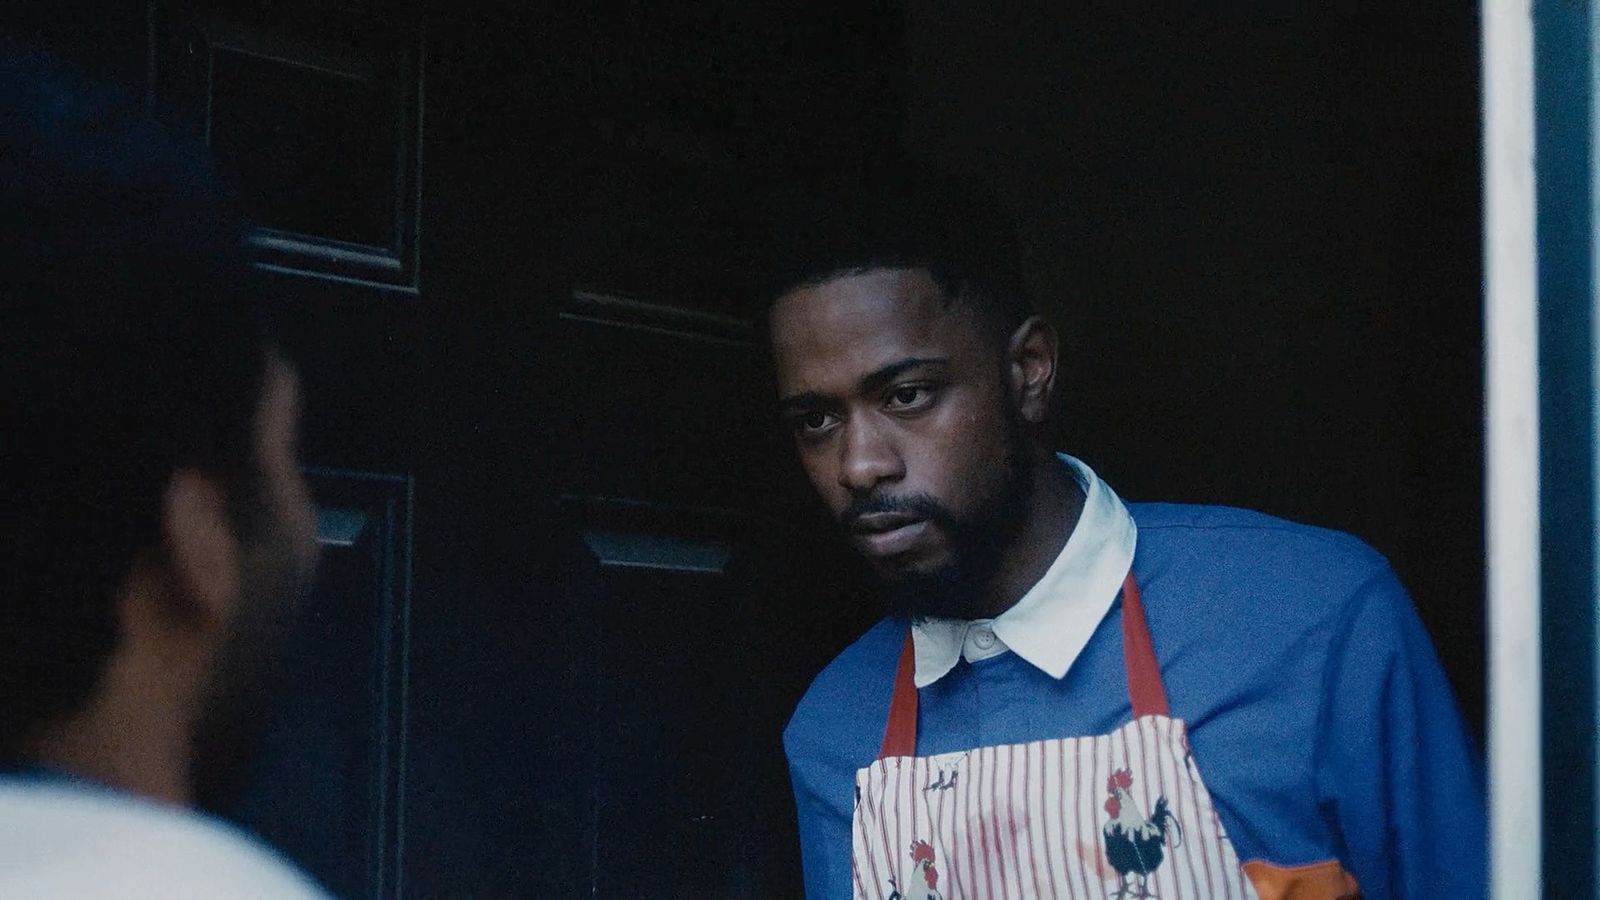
(910, 397)
(813, 423)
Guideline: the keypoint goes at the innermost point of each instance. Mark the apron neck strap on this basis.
(900, 734)
(1145, 692)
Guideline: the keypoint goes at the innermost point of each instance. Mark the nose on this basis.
(867, 457)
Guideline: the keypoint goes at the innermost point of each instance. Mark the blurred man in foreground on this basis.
(157, 530)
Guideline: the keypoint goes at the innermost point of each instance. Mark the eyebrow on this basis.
(869, 383)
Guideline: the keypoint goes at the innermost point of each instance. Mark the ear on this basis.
(201, 548)
(1031, 365)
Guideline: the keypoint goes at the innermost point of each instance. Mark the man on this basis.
(1074, 696)
(156, 527)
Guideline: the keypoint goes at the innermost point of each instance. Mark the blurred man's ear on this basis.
(201, 548)
(1032, 367)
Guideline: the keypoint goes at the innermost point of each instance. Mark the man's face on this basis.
(900, 413)
(281, 559)
(278, 557)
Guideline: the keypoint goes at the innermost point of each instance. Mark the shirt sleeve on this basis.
(1397, 775)
(824, 826)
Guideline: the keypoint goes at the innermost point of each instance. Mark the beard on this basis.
(249, 672)
(978, 540)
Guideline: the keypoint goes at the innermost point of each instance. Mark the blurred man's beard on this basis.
(249, 674)
(978, 540)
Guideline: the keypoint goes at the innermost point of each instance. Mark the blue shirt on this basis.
(1318, 714)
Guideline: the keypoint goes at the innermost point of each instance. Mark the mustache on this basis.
(921, 506)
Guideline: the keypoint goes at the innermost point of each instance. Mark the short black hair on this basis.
(131, 344)
(910, 217)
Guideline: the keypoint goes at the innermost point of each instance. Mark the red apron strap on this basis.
(900, 734)
(1145, 691)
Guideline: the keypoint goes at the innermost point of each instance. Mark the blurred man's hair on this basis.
(131, 345)
(910, 218)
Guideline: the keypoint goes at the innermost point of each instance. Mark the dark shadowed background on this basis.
(574, 585)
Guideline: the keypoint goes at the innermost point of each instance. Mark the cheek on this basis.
(295, 512)
(824, 479)
(304, 514)
(962, 458)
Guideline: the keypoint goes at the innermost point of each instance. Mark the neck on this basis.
(1054, 505)
(121, 739)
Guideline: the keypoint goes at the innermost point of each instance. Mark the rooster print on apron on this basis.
(1121, 815)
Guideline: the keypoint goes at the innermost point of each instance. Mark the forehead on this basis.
(837, 331)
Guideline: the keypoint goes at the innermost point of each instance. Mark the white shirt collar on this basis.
(1053, 621)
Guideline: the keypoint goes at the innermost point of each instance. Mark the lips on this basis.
(888, 534)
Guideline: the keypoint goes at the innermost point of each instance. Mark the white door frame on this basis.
(1511, 453)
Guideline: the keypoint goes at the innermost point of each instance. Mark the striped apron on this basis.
(1121, 815)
